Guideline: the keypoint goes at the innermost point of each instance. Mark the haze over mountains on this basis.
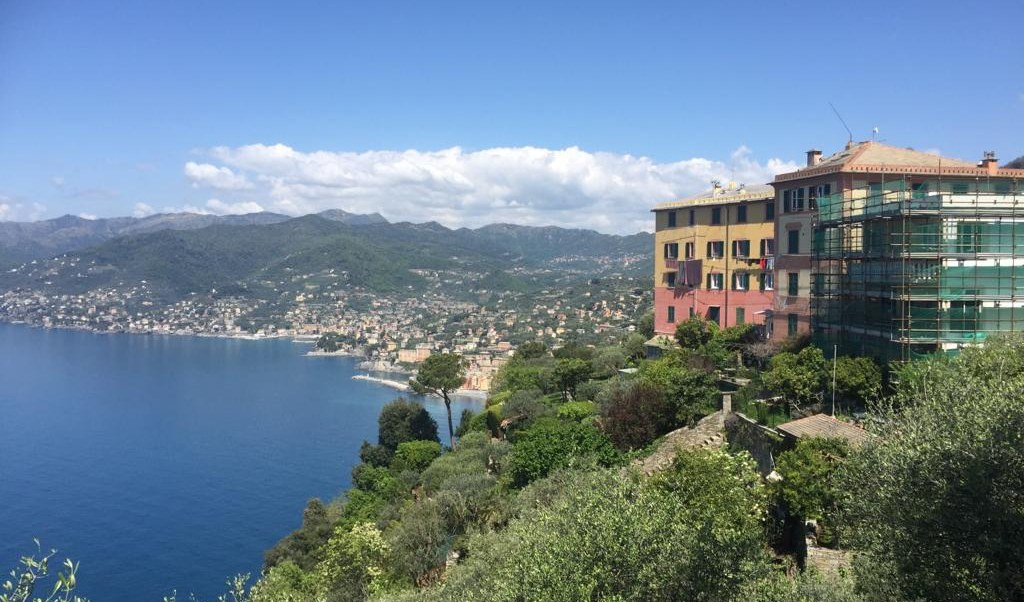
(178, 254)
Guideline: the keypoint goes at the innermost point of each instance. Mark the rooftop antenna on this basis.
(842, 122)
(874, 132)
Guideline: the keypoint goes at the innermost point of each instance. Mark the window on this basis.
(787, 201)
(741, 315)
(960, 187)
(714, 314)
(671, 314)
(793, 241)
(671, 219)
(741, 214)
(740, 281)
(812, 197)
(792, 322)
(716, 249)
(693, 216)
(715, 282)
(672, 250)
(716, 215)
(741, 248)
(767, 247)
(793, 284)
(688, 249)
(692, 313)
(670, 279)
(766, 281)
(769, 210)
(798, 199)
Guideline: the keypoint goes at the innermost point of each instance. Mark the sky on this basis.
(579, 114)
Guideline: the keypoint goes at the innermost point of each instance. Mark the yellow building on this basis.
(713, 257)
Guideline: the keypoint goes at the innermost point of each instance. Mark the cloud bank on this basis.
(525, 185)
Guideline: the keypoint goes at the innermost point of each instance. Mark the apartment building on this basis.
(714, 256)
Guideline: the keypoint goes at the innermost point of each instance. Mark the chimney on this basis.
(989, 163)
(813, 157)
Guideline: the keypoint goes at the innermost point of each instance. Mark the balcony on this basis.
(672, 263)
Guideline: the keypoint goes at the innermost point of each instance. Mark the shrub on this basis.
(576, 411)
(551, 444)
(636, 415)
(808, 485)
(415, 455)
(403, 420)
(477, 454)
(691, 392)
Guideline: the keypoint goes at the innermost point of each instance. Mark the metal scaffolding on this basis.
(912, 266)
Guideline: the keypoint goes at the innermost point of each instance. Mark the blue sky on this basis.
(463, 111)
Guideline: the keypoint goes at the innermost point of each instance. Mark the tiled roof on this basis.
(876, 157)
(823, 425)
(723, 196)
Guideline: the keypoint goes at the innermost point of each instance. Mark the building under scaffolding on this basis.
(912, 265)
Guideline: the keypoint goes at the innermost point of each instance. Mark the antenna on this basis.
(841, 121)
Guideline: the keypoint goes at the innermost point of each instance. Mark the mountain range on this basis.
(262, 254)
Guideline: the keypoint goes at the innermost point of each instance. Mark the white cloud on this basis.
(142, 210)
(221, 178)
(89, 216)
(240, 208)
(17, 211)
(526, 185)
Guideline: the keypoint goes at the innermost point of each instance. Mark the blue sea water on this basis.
(166, 463)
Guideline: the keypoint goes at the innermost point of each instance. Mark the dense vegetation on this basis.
(539, 499)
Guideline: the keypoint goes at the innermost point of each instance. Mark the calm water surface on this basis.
(168, 463)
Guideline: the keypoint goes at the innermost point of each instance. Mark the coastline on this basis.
(401, 386)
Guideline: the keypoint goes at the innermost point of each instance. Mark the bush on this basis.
(636, 415)
(375, 455)
(858, 379)
(576, 411)
(415, 455)
(302, 546)
(798, 377)
(551, 444)
(403, 420)
(691, 392)
(419, 542)
(808, 485)
(477, 454)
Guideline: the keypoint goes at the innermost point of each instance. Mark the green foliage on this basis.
(636, 415)
(808, 487)
(302, 546)
(32, 572)
(525, 407)
(531, 350)
(402, 420)
(607, 362)
(477, 454)
(522, 376)
(420, 542)
(415, 455)
(633, 346)
(936, 498)
(285, 582)
(332, 341)
(440, 375)
(691, 534)
(375, 455)
(374, 479)
(355, 565)
(577, 411)
(645, 326)
(550, 444)
(690, 392)
(573, 350)
(488, 421)
(569, 372)
(695, 333)
(857, 378)
(798, 377)
(808, 586)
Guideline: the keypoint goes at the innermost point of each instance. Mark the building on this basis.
(894, 253)
(713, 257)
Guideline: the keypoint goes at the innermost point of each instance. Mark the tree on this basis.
(531, 350)
(691, 392)
(569, 373)
(798, 377)
(607, 361)
(858, 378)
(551, 443)
(440, 375)
(355, 565)
(403, 420)
(695, 333)
(645, 325)
(935, 500)
(415, 455)
(808, 486)
(691, 533)
(636, 415)
(33, 572)
(302, 546)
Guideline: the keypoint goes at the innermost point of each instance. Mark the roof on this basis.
(825, 426)
(876, 157)
(730, 194)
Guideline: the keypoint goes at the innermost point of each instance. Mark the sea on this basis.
(170, 463)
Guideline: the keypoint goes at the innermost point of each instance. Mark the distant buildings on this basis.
(714, 257)
(880, 250)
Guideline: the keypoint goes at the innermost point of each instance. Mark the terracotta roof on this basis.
(723, 196)
(825, 426)
(876, 157)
